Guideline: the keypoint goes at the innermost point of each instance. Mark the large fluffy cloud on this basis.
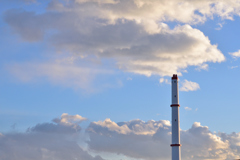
(151, 140)
(63, 139)
(132, 33)
(135, 138)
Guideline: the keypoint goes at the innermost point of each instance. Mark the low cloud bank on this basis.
(150, 140)
(62, 139)
(46, 141)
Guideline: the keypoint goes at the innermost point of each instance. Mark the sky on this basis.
(91, 79)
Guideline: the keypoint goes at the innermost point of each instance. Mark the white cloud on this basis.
(183, 11)
(132, 34)
(137, 127)
(232, 67)
(188, 108)
(69, 120)
(163, 80)
(235, 54)
(189, 86)
(202, 67)
(220, 26)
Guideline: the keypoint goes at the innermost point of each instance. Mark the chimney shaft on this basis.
(176, 150)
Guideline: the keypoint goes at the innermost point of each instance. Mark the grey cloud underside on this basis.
(54, 128)
(133, 140)
(40, 147)
(47, 141)
(132, 144)
(142, 45)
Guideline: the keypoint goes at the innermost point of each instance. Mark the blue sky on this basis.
(104, 67)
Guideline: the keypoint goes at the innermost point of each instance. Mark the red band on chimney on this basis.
(175, 105)
(172, 145)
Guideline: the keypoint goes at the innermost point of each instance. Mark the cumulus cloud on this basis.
(46, 141)
(133, 34)
(186, 11)
(151, 140)
(189, 86)
(135, 139)
(200, 143)
(235, 54)
(67, 119)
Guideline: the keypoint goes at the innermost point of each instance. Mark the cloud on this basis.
(220, 25)
(235, 54)
(200, 143)
(163, 80)
(59, 72)
(202, 67)
(136, 39)
(151, 140)
(45, 141)
(188, 108)
(135, 139)
(189, 86)
(182, 11)
(66, 124)
(67, 119)
(233, 67)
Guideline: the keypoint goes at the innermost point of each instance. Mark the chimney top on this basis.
(174, 76)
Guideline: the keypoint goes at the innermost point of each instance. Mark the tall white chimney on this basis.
(176, 146)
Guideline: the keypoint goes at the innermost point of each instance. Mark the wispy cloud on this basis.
(202, 67)
(64, 74)
(163, 80)
(232, 67)
(235, 54)
(189, 86)
(188, 108)
(220, 25)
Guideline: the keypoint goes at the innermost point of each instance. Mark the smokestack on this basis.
(176, 150)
